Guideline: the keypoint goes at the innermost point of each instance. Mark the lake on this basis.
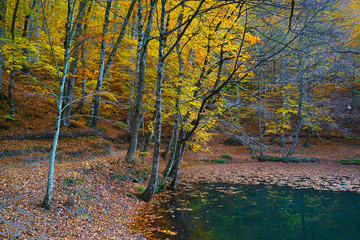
(223, 211)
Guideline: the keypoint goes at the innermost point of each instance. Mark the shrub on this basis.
(141, 189)
(218, 160)
(226, 156)
(350, 161)
(288, 159)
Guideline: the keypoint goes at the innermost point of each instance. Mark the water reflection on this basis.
(261, 212)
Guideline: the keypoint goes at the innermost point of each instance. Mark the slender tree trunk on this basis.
(81, 104)
(27, 33)
(238, 105)
(34, 32)
(174, 144)
(163, 154)
(103, 69)
(84, 54)
(308, 136)
(95, 107)
(175, 133)
(147, 140)
(136, 33)
(71, 9)
(299, 113)
(261, 157)
(176, 167)
(68, 98)
(10, 94)
(282, 83)
(12, 76)
(28, 19)
(308, 114)
(140, 86)
(150, 190)
(3, 7)
(112, 45)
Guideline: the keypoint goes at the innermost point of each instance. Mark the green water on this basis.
(209, 211)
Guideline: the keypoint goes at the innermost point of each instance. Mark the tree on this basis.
(104, 67)
(140, 84)
(70, 31)
(3, 7)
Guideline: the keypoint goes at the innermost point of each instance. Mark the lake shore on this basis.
(326, 174)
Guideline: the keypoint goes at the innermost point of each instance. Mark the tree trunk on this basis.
(3, 7)
(163, 154)
(134, 82)
(95, 107)
(10, 94)
(150, 190)
(34, 32)
(47, 199)
(140, 86)
(103, 69)
(68, 98)
(146, 145)
(300, 110)
(81, 104)
(261, 157)
(12, 76)
(176, 167)
(175, 133)
(84, 53)
(282, 83)
(308, 114)
(308, 137)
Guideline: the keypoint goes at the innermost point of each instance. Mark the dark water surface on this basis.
(213, 211)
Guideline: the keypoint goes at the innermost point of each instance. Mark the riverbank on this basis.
(326, 174)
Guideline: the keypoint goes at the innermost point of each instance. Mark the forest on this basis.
(155, 84)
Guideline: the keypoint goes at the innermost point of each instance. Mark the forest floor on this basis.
(94, 195)
(95, 198)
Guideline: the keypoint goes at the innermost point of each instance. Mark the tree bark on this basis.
(150, 190)
(282, 84)
(95, 107)
(175, 133)
(134, 82)
(176, 167)
(261, 157)
(140, 86)
(71, 10)
(300, 110)
(12, 76)
(308, 114)
(103, 69)
(3, 7)
(68, 98)
(84, 54)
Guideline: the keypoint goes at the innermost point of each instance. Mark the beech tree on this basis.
(104, 66)
(70, 32)
(3, 7)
